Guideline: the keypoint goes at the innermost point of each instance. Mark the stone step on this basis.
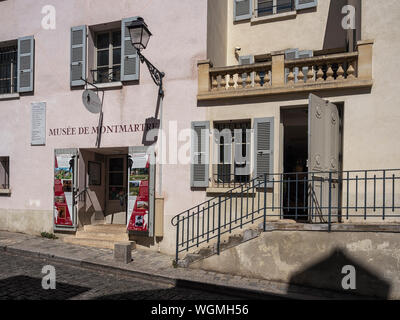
(96, 243)
(105, 228)
(110, 236)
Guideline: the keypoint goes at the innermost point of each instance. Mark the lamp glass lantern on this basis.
(140, 34)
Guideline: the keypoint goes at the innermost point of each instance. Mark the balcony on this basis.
(321, 73)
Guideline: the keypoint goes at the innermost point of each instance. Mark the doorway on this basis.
(295, 153)
(311, 147)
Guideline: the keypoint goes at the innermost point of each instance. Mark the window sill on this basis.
(9, 96)
(274, 17)
(5, 192)
(109, 85)
(221, 190)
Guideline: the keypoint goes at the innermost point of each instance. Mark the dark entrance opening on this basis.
(295, 154)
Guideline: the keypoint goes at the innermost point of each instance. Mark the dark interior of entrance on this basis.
(295, 153)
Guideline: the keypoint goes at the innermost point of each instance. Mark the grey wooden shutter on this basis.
(26, 58)
(305, 54)
(305, 4)
(291, 54)
(200, 154)
(130, 65)
(242, 9)
(263, 147)
(78, 55)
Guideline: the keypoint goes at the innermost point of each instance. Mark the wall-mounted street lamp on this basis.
(140, 36)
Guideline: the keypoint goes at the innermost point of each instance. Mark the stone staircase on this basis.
(100, 236)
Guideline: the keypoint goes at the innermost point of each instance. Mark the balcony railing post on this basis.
(204, 80)
(177, 241)
(330, 202)
(219, 225)
(265, 202)
(364, 65)
(278, 68)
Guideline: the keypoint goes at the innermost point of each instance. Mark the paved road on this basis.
(21, 278)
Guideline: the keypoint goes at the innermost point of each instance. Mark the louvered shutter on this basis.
(305, 4)
(242, 9)
(200, 154)
(305, 54)
(263, 147)
(130, 66)
(78, 55)
(243, 60)
(26, 53)
(291, 54)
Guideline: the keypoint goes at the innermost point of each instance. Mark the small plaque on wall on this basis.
(38, 124)
(94, 170)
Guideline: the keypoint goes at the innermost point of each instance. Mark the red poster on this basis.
(138, 197)
(62, 191)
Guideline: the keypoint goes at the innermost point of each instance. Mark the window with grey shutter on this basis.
(305, 4)
(200, 154)
(78, 55)
(291, 54)
(26, 52)
(243, 60)
(305, 54)
(243, 9)
(263, 147)
(130, 65)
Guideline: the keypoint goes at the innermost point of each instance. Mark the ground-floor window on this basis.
(232, 147)
(8, 69)
(4, 172)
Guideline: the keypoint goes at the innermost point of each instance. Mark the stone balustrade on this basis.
(280, 76)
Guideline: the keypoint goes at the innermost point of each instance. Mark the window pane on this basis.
(265, 7)
(116, 76)
(115, 193)
(284, 6)
(116, 179)
(102, 58)
(117, 56)
(116, 164)
(103, 41)
(116, 41)
(102, 75)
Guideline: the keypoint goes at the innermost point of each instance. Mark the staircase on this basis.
(100, 236)
(220, 222)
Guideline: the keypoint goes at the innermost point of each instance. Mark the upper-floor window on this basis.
(248, 9)
(8, 69)
(269, 7)
(108, 57)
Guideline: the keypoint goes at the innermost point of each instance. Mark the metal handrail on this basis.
(320, 196)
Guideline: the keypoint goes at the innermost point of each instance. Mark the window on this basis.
(232, 145)
(8, 69)
(108, 57)
(4, 173)
(269, 7)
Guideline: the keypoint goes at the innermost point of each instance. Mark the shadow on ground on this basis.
(327, 274)
(29, 288)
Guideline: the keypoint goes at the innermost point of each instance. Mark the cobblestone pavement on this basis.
(21, 277)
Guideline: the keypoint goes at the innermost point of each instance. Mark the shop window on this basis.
(4, 173)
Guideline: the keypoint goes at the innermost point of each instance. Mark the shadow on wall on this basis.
(327, 274)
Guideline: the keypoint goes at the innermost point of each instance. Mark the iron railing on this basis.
(106, 75)
(315, 197)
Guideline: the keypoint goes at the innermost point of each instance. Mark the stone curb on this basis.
(238, 291)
